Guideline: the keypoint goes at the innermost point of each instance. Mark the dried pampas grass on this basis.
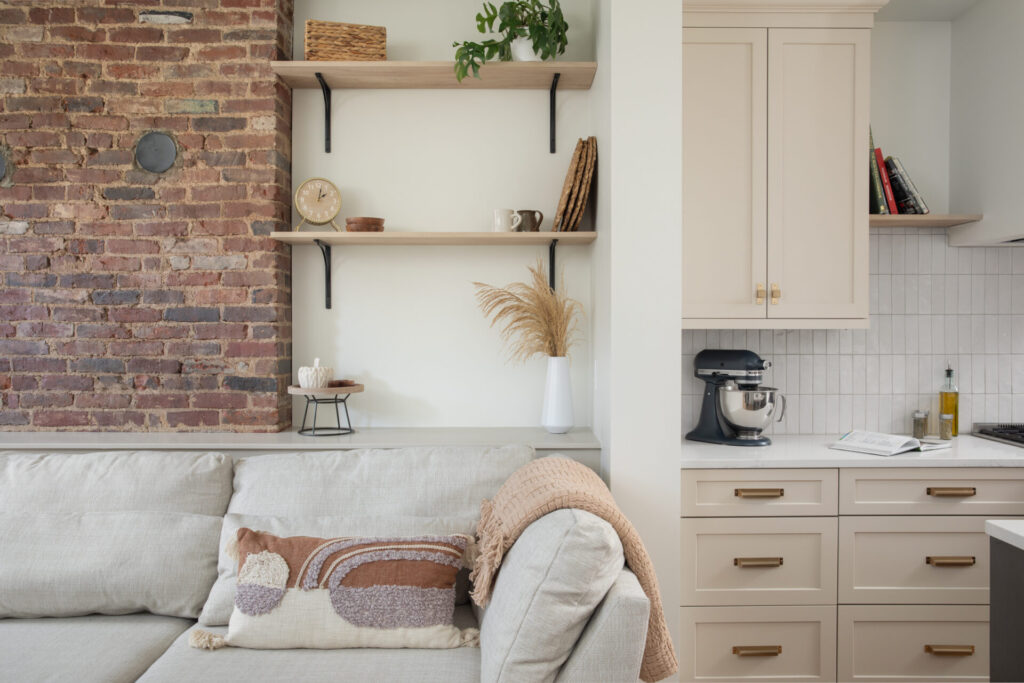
(534, 319)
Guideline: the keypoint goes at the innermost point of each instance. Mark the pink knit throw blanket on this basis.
(548, 484)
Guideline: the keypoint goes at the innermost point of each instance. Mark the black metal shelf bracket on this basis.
(327, 113)
(551, 263)
(551, 97)
(325, 249)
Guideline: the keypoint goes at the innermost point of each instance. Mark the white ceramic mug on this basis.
(506, 220)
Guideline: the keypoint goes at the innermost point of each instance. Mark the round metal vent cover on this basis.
(156, 152)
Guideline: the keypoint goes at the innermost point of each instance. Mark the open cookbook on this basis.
(875, 443)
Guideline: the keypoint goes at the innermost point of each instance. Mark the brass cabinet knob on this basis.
(776, 294)
(760, 294)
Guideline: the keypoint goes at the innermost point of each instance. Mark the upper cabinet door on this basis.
(818, 109)
(725, 76)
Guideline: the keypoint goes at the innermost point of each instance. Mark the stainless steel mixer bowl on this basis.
(749, 411)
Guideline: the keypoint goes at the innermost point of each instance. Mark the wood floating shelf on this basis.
(326, 239)
(434, 238)
(927, 220)
(436, 75)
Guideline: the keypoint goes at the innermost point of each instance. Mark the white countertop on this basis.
(1007, 530)
(376, 437)
(813, 451)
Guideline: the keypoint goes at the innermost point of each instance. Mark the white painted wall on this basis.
(910, 101)
(644, 283)
(987, 154)
(404, 320)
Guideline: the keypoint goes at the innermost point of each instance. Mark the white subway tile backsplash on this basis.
(930, 304)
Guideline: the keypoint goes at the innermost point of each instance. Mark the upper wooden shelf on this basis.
(433, 75)
(434, 238)
(927, 220)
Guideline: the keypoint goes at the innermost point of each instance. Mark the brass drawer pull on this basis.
(776, 294)
(760, 294)
(952, 491)
(760, 493)
(949, 650)
(950, 560)
(757, 650)
(757, 561)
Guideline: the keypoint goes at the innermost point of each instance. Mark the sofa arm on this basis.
(611, 646)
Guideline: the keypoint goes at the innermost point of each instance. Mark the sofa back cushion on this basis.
(403, 482)
(182, 481)
(59, 564)
(551, 581)
(217, 610)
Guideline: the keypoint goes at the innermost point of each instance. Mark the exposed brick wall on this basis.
(134, 301)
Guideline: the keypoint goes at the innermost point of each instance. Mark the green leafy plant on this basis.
(542, 23)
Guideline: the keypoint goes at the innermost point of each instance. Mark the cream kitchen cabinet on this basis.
(775, 182)
(840, 573)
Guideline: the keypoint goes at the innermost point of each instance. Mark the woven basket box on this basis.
(331, 40)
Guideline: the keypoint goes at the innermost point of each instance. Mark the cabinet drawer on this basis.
(892, 643)
(905, 560)
(758, 644)
(759, 561)
(759, 493)
(938, 491)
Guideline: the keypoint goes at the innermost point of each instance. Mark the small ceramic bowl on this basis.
(364, 224)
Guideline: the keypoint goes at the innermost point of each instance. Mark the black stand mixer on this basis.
(735, 409)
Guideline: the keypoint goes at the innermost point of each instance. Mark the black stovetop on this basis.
(1006, 432)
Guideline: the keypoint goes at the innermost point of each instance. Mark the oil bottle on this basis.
(949, 400)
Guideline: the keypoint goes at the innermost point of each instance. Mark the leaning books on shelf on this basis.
(875, 443)
(890, 198)
(906, 194)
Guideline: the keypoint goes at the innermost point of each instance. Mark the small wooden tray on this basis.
(296, 390)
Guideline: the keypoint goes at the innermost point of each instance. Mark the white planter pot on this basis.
(556, 417)
(522, 51)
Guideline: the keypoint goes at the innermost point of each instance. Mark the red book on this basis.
(890, 198)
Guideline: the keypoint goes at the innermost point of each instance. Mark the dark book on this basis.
(877, 194)
(918, 199)
(904, 199)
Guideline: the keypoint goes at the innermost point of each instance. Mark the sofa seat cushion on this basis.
(184, 663)
(93, 649)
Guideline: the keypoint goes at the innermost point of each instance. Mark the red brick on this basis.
(65, 383)
(221, 399)
(161, 401)
(135, 35)
(105, 52)
(193, 35)
(194, 418)
(60, 418)
(162, 53)
(77, 34)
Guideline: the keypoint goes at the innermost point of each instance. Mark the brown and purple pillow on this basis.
(305, 592)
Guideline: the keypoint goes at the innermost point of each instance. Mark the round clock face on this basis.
(318, 201)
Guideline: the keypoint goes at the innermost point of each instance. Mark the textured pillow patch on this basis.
(305, 592)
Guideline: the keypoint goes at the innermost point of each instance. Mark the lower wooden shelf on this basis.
(928, 220)
(434, 238)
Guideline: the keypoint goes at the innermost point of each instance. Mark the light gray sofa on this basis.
(563, 608)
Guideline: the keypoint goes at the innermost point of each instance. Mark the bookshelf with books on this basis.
(895, 201)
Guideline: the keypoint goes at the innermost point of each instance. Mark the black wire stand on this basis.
(336, 396)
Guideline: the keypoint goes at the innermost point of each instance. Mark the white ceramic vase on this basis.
(315, 377)
(522, 51)
(556, 416)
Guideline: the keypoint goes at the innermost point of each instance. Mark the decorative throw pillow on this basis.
(306, 592)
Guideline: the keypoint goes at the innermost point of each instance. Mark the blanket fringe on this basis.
(490, 551)
(469, 637)
(204, 640)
